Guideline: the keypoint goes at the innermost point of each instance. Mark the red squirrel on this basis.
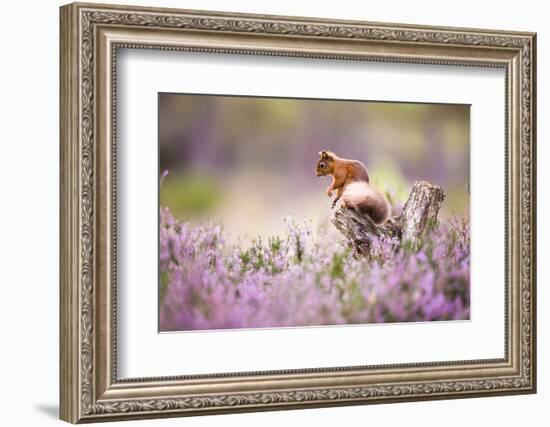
(350, 180)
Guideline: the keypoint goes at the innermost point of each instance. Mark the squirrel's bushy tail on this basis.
(366, 199)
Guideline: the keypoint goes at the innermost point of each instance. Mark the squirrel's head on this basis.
(324, 164)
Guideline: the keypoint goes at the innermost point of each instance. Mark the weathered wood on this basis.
(360, 230)
(419, 212)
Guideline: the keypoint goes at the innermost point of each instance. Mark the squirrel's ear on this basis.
(323, 154)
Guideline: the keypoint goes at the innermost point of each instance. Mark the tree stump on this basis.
(420, 212)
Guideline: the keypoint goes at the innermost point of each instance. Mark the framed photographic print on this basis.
(265, 212)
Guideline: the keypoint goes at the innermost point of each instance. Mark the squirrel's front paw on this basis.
(329, 193)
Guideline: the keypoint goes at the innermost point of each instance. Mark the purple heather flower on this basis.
(299, 279)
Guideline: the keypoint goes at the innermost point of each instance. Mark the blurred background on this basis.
(247, 162)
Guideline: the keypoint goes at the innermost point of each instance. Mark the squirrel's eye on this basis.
(322, 165)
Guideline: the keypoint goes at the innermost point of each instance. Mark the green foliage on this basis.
(410, 246)
(164, 282)
(337, 268)
(190, 194)
(276, 243)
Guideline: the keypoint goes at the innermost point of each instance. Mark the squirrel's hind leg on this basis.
(339, 192)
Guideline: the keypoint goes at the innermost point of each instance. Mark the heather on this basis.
(302, 278)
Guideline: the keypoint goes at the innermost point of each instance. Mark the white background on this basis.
(141, 347)
(29, 171)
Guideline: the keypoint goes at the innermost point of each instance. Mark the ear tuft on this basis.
(325, 154)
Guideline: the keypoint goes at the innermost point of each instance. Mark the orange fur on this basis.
(346, 174)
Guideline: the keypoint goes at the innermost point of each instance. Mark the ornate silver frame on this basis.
(90, 36)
